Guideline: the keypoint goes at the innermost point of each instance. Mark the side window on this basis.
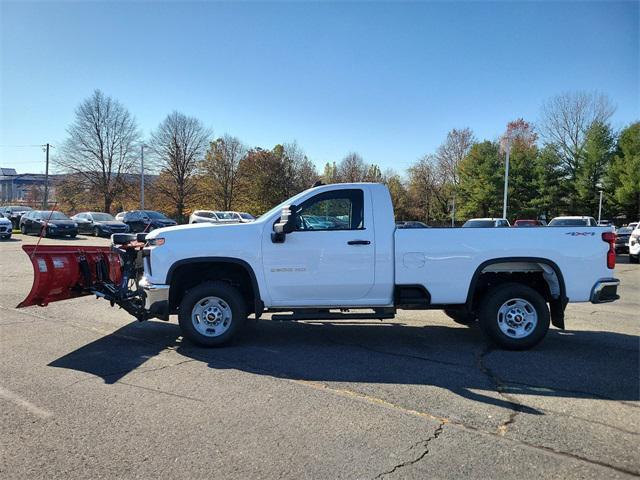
(335, 210)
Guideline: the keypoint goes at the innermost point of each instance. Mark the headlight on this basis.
(155, 242)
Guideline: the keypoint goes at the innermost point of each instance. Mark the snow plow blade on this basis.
(64, 272)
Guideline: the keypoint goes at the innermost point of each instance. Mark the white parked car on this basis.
(336, 247)
(575, 221)
(245, 217)
(212, 216)
(6, 227)
(486, 223)
(634, 244)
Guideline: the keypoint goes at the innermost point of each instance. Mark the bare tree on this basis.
(178, 145)
(452, 151)
(101, 145)
(300, 172)
(352, 168)
(220, 168)
(565, 120)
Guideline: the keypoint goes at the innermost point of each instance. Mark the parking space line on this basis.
(27, 405)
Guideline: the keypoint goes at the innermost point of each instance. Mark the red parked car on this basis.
(528, 223)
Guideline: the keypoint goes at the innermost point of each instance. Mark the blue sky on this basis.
(387, 80)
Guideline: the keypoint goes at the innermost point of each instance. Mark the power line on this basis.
(24, 146)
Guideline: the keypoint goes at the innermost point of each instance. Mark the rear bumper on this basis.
(156, 297)
(605, 290)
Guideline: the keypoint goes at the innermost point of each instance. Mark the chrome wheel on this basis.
(211, 316)
(517, 318)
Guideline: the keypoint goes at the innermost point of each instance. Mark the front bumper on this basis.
(605, 290)
(156, 297)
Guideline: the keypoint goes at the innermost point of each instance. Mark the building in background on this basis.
(25, 188)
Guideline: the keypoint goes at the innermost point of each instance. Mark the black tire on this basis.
(23, 230)
(96, 232)
(73, 235)
(225, 292)
(490, 322)
(461, 316)
(634, 258)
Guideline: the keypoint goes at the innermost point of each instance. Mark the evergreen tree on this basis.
(597, 155)
(481, 176)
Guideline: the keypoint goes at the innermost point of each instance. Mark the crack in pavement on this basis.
(516, 406)
(425, 445)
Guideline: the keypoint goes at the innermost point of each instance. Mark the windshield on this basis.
(624, 230)
(53, 216)
(225, 215)
(569, 222)
(19, 209)
(154, 214)
(102, 217)
(479, 224)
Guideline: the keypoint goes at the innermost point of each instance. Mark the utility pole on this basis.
(600, 208)
(46, 181)
(453, 210)
(142, 177)
(506, 180)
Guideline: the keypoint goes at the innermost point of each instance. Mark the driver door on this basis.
(329, 258)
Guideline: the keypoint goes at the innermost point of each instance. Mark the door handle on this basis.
(358, 242)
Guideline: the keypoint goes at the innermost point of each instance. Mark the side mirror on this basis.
(286, 224)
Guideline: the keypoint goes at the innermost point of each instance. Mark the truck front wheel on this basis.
(514, 316)
(212, 313)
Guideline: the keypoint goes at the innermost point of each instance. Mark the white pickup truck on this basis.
(334, 252)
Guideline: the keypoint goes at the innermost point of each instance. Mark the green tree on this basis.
(623, 178)
(481, 176)
(548, 183)
(597, 156)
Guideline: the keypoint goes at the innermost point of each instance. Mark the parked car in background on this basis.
(573, 222)
(6, 227)
(213, 216)
(605, 223)
(634, 245)
(528, 223)
(146, 220)
(245, 217)
(14, 213)
(633, 225)
(120, 215)
(49, 223)
(411, 224)
(622, 239)
(486, 223)
(99, 224)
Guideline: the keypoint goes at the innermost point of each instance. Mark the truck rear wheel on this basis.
(212, 313)
(514, 316)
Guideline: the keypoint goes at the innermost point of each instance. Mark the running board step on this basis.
(383, 315)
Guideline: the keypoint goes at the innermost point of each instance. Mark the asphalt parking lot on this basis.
(88, 392)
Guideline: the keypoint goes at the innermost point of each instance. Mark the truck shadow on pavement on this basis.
(572, 364)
